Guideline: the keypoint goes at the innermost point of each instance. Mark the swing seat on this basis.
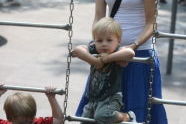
(82, 119)
(129, 123)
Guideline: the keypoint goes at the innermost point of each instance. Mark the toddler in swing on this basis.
(104, 83)
(20, 108)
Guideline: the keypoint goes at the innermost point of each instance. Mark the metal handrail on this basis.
(159, 34)
(36, 25)
(170, 102)
(137, 59)
(31, 89)
(142, 59)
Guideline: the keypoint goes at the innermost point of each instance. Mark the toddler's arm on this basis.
(123, 54)
(57, 113)
(82, 53)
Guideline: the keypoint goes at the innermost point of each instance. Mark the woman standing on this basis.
(136, 19)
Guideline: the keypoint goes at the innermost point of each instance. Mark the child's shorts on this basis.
(103, 111)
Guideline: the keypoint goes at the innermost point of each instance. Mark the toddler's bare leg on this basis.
(120, 116)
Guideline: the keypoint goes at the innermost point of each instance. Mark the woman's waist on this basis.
(129, 39)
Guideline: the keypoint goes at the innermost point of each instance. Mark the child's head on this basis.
(107, 35)
(20, 105)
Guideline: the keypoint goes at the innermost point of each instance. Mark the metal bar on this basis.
(171, 102)
(36, 25)
(138, 59)
(170, 35)
(31, 89)
(142, 60)
(171, 41)
(81, 119)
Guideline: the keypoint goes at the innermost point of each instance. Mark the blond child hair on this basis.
(20, 105)
(106, 25)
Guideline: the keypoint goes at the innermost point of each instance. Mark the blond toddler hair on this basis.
(20, 105)
(106, 25)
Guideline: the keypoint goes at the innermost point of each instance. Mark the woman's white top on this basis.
(131, 17)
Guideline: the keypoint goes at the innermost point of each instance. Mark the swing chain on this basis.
(70, 34)
(152, 65)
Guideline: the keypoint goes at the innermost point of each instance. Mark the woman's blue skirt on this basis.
(135, 85)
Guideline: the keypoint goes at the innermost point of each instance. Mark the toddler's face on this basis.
(106, 43)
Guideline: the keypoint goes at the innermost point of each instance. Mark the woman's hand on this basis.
(2, 91)
(132, 46)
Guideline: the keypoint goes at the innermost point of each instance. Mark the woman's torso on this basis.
(131, 17)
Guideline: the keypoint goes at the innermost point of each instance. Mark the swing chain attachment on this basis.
(152, 65)
(70, 34)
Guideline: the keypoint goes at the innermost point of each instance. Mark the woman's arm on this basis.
(57, 113)
(100, 10)
(149, 7)
(124, 54)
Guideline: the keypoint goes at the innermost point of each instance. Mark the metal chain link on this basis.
(70, 34)
(152, 65)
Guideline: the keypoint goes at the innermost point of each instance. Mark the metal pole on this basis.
(35, 25)
(146, 60)
(31, 89)
(170, 102)
(170, 35)
(171, 41)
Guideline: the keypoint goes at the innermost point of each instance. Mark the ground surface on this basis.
(37, 57)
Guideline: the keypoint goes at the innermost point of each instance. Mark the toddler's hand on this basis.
(103, 54)
(49, 91)
(73, 53)
(99, 64)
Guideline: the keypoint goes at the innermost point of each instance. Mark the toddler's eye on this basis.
(99, 41)
(109, 40)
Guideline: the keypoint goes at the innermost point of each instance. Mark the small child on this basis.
(104, 83)
(20, 108)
